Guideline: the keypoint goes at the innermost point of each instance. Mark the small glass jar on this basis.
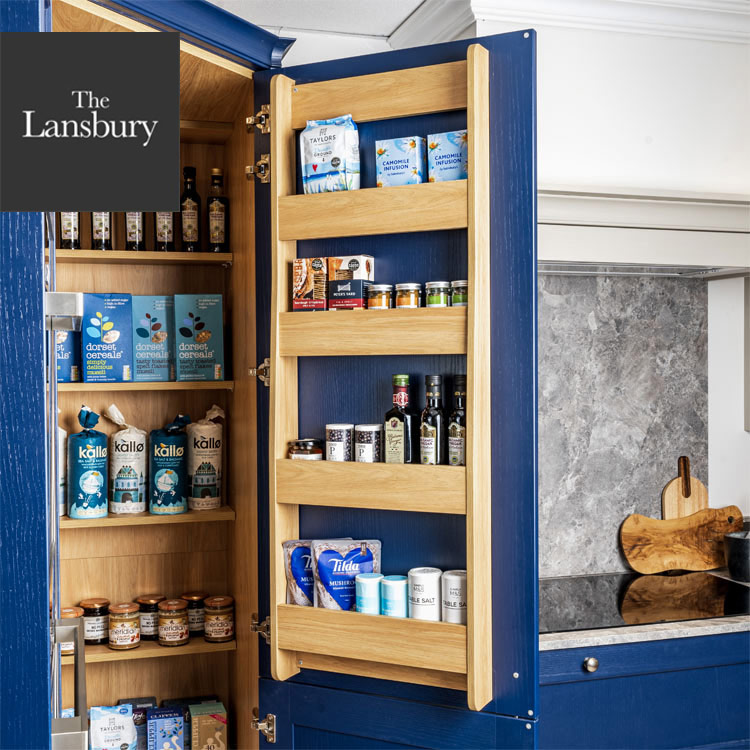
(149, 614)
(124, 626)
(339, 441)
(380, 297)
(174, 629)
(219, 622)
(367, 443)
(437, 294)
(408, 295)
(195, 601)
(305, 449)
(66, 613)
(95, 621)
(459, 293)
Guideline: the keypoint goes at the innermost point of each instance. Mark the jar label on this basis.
(164, 226)
(460, 299)
(101, 225)
(307, 456)
(456, 444)
(69, 225)
(219, 626)
(149, 623)
(428, 444)
(189, 221)
(134, 226)
(394, 441)
(125, 633)
(95, 628)
(335, 451)
(173, 628)
(216, 221)
(195, 619)
(437, 300)
(67, 648)
(365, 453)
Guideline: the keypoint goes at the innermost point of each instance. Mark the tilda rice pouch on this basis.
(107, 338)
(153, 338)
(400, 161)
(87, 469)
(168, 468)
(330, 155)
(299, 572)
(199, 325)
(127, 466)
(448, 156)
(336, 563)
(205, 438)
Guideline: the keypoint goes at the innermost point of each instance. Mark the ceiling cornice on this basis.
(432, 22)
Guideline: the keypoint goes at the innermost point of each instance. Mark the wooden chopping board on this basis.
(695, 542)
(684, 495)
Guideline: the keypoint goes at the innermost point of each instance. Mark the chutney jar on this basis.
(95, 621)
(195, 603)
(67, 613)
(219, 619)
(149, 614)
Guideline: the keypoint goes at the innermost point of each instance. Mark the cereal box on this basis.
(400, 161)
(448, 156)
(107, 338)
(310, 279)
(68, 356)
(166, 729)
(208, 725)
(199, 347)
(153, 338)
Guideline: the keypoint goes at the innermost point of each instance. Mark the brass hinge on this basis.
(261, 169)
(261, 120)
(262, 628)
(267, 726)
(262, 372)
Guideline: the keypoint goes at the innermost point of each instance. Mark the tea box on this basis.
(107, 338)
(310, 283)
(165, 728)
(68, 356)
(208, 725)
(199, 324)
(153, 338)
(400, 161)
(448, 156)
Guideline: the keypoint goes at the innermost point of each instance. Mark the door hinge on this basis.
(262, 628)
(267, 726)
(261, 169)
(261, 120)
(262, 371)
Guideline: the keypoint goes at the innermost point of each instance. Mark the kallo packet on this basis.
(330, 155)
(127, 466)
(168, 468)
(87, 469)
(205, 438)
(336, 563)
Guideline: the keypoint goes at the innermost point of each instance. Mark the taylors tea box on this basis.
(68, 356)
(166, 728)
(199, 348)
(107, 338)
(347, 295)
(153, 338)
(448, 156)
(342, 267)
(400, 161)
(208, 725)
(310, 283)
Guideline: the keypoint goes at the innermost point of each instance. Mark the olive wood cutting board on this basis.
(694, 542)
(684, 495)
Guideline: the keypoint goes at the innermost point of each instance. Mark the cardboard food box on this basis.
(208, 723)
(68, 356)
(183, 704)
(448, 156)
(153, 338)
(140, 718)
(400, 161)
(310, 283)
(343, 267)
(107, 338)
(347, 295)
(165, 728)
(199, 348)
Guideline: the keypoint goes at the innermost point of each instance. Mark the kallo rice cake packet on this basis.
(127, 466)
(330, 155)
(87, 469)
(336, 563)
(204, 458)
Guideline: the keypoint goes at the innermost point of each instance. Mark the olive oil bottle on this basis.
(70, 230)
(432, 431)
(164, 231)
(457, 424)
(190, 213)
(218, 214)
(135, 238)
(399, 428)
(101, 230)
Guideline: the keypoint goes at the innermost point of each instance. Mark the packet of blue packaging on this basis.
(166, 728)
(400, 161)
(330, 155)
(87, 469)
(336, 563)
(299, 572)
(448, 156)
(68, 356)
(183, 704)
(140, 708)
(107, 338)
(112, 728)
(68, 713)
(168, 468)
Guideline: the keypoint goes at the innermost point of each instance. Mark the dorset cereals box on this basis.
(107, 338)
(199, 326)
(153, 338)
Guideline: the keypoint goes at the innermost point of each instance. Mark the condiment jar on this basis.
(437, 294)
(95, 621)
(173, 622)
(459, 293)
(124, 626)
(219, 619)
(380, 297)
(66, 613)
(408, 295)
(149, 614)
(306, 449)
(195, 601)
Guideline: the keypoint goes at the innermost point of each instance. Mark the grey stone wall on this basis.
(622, 393)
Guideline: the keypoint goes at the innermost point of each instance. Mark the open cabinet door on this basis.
(439, 684)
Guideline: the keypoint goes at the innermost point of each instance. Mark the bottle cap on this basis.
(400, 380)
(459, 382)
(188, 172)
(433, 379)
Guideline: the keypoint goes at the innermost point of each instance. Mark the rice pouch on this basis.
(87, 469)
(204, 446)
(127, 466)
(336, 563)
(167, 484)
(299, 572)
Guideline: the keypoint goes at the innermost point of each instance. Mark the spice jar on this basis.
(459, 293)
(66, 613)
(95, 621)
(149, 614)
(173, 622)
(339, 442)
(380, 297)
(367, 443)
(219, 622)
(437, 294)
(306, 449)
(408, 295)
(124, 626)
(195, 601)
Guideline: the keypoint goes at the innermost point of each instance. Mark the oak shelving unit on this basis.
(223, 513)
(210, 385)
(143, 257)
(151, 650)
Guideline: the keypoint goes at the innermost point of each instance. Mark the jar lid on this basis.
(408, 287)
(172, 605)
(66, 612)
(194, 596)
(437, 285)
(94, 603)
(368, 427)
(123, 609)
(461, 282)
(305, 443)
(339, 427)
(217, 602)
(393, 580)
(150, 598)
(378, 288)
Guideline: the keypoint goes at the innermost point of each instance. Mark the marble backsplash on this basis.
(623, 392)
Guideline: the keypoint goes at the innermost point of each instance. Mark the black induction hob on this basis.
(621, 599)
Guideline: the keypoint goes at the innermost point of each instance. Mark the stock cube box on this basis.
(166, 728)
(68, 356)
(208, 725)
(400, 161)
(107, 338)
(153, 338)
(199, 349)
(448, 156)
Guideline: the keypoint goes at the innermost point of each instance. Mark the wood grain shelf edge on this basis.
(150, 650)
(224, 513)
(202, 385)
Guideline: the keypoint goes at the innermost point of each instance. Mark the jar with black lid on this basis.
(195, 601)
(306, 449)
(95, 621)
(149, 615)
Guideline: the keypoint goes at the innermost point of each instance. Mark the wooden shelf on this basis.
(138, 258)
(224, 513)
(406, 208)
(151, 650)
(346, 484)
(334, 333)
(198, 385)
(438, 646)
(205, 131)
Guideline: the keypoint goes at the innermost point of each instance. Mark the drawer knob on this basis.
(591, 664)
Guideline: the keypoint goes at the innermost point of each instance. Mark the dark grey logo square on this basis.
(89, 121)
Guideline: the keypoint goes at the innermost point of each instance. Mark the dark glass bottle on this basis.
(164, 231)
(70, 230)
(101, 230)
(190, 213)
(432, 426)
(457, 424)
(135, 238)
(400, 426)
(218, 214)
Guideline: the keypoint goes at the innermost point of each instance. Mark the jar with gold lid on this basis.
(124, 626)
(95, 620)
(219, 619)
(195, 601)
(173, 622)
(66, 613)
(149, 614)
